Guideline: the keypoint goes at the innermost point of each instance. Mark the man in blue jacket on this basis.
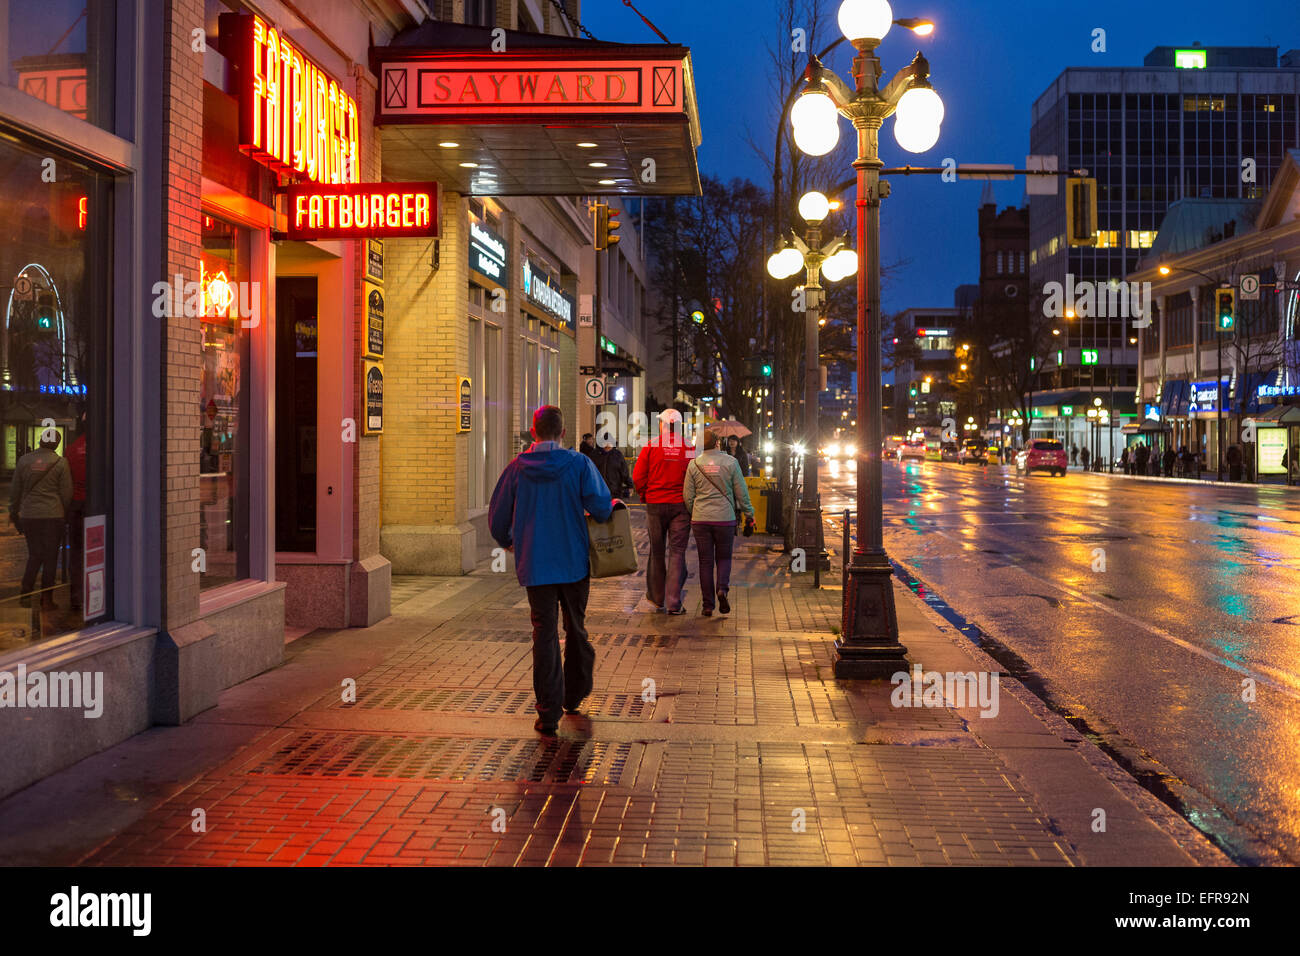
(538, 510)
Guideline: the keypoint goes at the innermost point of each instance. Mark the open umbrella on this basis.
(728, 428)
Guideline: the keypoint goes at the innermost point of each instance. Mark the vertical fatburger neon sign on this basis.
(293, 116)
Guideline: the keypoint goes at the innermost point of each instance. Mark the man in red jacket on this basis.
(659, 475)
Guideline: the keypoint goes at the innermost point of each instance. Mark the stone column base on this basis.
(429, 549)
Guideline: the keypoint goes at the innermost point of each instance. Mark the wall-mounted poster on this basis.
(374, 321)
(375, 260)
(374, 384)
(465, 395)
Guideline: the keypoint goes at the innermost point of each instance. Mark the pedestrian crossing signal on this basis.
(1225, 307)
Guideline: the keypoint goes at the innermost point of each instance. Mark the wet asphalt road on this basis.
(1200, 592)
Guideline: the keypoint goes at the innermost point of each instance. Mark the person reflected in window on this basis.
(39, 498)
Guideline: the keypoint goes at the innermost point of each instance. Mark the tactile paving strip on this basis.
(468, 700)
(555, 760)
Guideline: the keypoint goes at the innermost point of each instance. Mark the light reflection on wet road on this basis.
(1200, 592)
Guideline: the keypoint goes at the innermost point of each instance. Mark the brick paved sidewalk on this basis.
(717, 741)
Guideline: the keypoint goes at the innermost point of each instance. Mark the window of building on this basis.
(223, 395)
(61, 53)
(481, 13)
(55, 364)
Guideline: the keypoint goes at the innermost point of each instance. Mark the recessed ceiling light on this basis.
(597, 165)
(587, 145)
(449, 145)
(608, 182)
(470, 165)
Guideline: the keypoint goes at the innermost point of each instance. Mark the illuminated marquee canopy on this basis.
(356, 210)
(536, 119)
(293, 116)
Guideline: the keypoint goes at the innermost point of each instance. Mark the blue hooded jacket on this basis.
(538, 507)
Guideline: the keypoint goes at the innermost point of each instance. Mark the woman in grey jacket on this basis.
(715, 493)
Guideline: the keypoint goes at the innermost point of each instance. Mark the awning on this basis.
(1247, 394)
(514, 122)
(1281, 415)
(1147, 426)
(1173, 401)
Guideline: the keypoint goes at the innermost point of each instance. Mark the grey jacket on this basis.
(34, 492)
(704, 501)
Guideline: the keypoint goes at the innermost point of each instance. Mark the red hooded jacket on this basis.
(660, 470)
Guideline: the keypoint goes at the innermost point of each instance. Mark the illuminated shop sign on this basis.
(357, 210)
(293, 116)
(492, 85)
(1278, 391)
(1204, 397)
(487, 253)
(540, 291)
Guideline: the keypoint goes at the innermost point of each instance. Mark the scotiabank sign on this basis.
(361, 210)
(293, 116)
(494, 87)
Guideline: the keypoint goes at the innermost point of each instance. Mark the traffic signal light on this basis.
(1225, 309)
(1081, 212)
(766, 370)
(606, 226)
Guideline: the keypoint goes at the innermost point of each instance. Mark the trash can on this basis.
(757, 498)
(772, 499)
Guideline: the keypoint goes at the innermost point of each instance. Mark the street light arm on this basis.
(915, 73)
(840, 92)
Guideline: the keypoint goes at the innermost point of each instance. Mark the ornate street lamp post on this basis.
(835, 263)
(868, 645)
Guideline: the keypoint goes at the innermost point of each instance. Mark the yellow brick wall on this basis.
(424, 460)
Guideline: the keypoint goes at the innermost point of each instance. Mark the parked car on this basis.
(974, 451)
(1042, 454)
(949, 451)
(911, 449)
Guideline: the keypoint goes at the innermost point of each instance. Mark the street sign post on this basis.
(1250, 287)
(595, 389)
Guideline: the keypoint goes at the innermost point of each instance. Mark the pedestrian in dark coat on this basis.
(539, 510)
(1169, 458)
(612, 467)
(1143, 457)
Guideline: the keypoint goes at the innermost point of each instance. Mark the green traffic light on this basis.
(767, 371)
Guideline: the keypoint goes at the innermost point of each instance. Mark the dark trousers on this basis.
(714, 543)
(669, 526)
(44, 535)
(554, 688)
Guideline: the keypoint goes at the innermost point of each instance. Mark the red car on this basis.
(1042, 454)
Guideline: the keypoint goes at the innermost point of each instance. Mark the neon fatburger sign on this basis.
(293, 116)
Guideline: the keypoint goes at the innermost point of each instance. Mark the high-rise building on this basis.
(1212, 122)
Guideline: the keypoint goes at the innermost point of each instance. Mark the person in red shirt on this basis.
(659, 475)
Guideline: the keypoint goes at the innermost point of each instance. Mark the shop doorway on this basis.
(296, 372)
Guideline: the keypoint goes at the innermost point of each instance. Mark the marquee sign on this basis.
(361, 210)
(293, 116)
(438, 88)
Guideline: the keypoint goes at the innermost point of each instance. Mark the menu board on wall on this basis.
(375, 260)
(374, 347)
(374, 385)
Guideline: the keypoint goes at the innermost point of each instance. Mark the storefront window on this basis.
(223, 450)
(61, 53)
(54, 362)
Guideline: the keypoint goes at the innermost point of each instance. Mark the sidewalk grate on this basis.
(487, 701)
(330, 754)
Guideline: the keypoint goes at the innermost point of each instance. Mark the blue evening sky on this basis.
(989, 60)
